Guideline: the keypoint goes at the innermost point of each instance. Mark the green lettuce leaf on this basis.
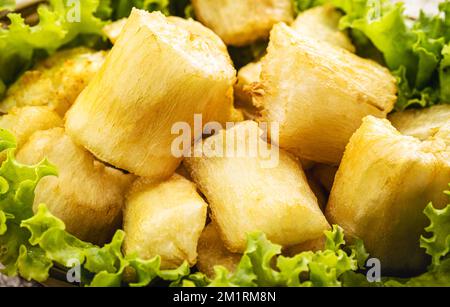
(33, 263)
(145, 271)
(3, 218)
(438, 245)
(8, 5)
(107, 263)
(263, 265)
(59, 23)
(17, 184)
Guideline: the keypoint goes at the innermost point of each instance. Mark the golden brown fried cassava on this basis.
(242, 22)
(212, 252)
(319, 94)
(382, 186)
(245, 194)
(247, 75)
(87, 195)
(24, 121)
(322, 23)
(161, 71)
(113, 30)
(423, 123)
(164, 218)
(55, 82)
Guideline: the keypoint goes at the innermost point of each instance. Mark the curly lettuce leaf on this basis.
(33, 263)
(107, 263)
(438, 244)
(3, 218)
(17, 184)
(263, 265)
(58, 25)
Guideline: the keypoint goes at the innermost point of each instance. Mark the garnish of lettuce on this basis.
(58, 25)
(32, 243)
(414, 50)
(263, 265)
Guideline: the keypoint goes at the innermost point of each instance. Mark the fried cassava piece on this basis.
(246, 194)
(164, 218)
(24, 121)
(87, 195)
(113, 30)
(247, 75)
(212, 252)
(55, 82)
(322, 23)
(319, 23)
(382, 187)
(242, 22)
(319, 94)
(423, 123)
(160, 71)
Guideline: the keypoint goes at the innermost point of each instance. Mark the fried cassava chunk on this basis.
(322, 23)
(113, 30)
(160, 72)
(422, 123)
(55, 82)
(87, 195)
(246, 193)
(212, 252)
(383, 184)
(166, 219)
(242, 22)
(319, 94)
(23, 122)
(247, 75)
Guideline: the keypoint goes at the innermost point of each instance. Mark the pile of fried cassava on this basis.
(105, 119)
